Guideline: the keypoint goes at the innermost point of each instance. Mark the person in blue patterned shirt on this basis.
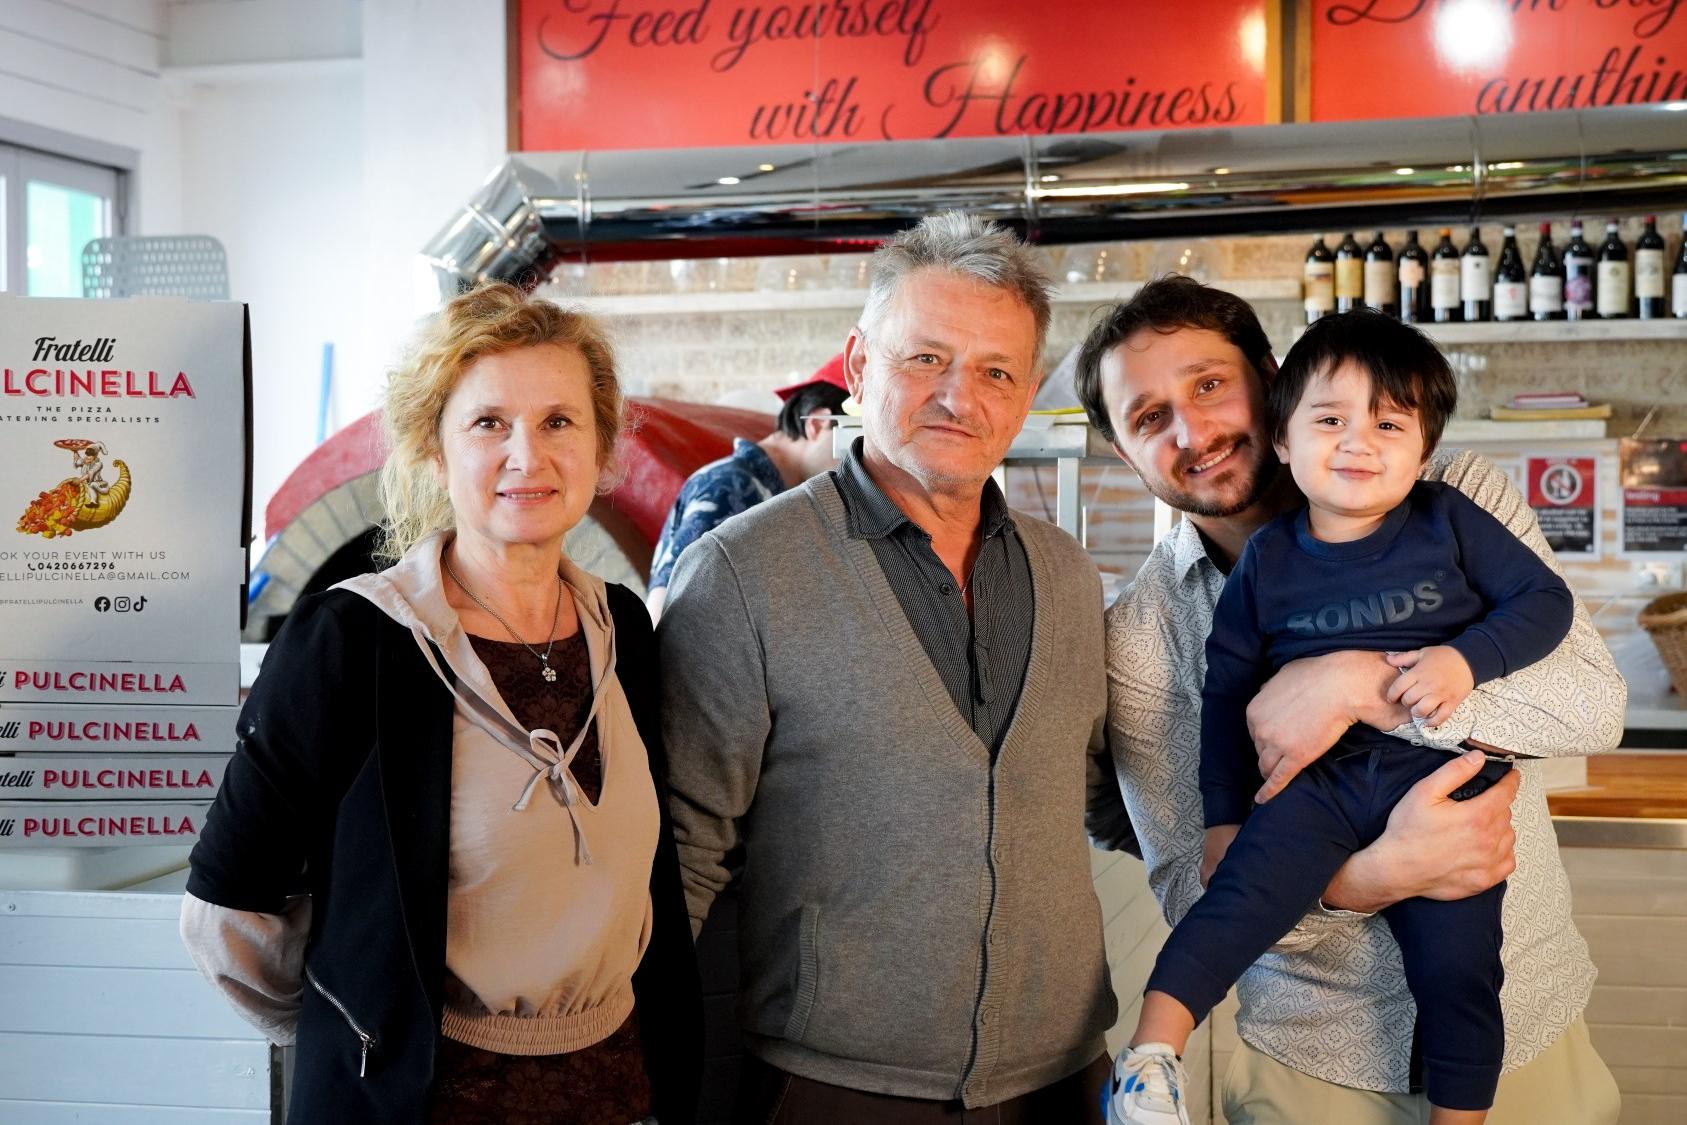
(799, 448)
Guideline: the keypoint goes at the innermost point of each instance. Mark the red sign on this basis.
(1564, 492)
(1446, 58)
(614, 74)
(1562, 482)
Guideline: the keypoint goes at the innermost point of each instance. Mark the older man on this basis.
(1175, 379)
(886, 692)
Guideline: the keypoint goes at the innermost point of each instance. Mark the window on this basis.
(50, 208)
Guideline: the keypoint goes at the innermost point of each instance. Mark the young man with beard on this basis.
(1175, 379)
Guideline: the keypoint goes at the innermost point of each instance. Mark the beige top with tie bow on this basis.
(549, 900)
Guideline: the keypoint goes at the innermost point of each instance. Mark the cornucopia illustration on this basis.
(82, 502)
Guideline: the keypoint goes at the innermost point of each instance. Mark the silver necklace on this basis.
(545, 668)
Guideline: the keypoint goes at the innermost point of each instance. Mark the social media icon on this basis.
(121, 605)
(101, 604)
(140, 603)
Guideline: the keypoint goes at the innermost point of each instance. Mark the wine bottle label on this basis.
(1444, 283)
(1578, 282)
(1320, 282)
(1546, 294)
(1648, 273)
(1511, 300)
(1613, 288)
(1475, 280)
(1379, 284)
(1411, 273)
(1350, 277)
(1678, 295)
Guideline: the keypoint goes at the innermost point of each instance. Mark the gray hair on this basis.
(963, 244)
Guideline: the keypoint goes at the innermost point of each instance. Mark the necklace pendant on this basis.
(549, 673)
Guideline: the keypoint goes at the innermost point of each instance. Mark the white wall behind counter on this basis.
(323, 161)
(321, 141)
(272, 166)
(81, 77)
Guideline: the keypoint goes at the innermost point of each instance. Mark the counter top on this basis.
(1652, 705)
(1635, 785)
(1631, 800)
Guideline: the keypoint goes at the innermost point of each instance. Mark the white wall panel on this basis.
(106, 1020)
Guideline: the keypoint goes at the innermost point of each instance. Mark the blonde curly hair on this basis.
(495, 317)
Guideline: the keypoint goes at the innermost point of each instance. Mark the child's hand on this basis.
(1432, 682)
(1217, 843)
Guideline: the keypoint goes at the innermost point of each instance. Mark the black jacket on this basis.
(341, 789)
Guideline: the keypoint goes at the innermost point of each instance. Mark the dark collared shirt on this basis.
(982, 657)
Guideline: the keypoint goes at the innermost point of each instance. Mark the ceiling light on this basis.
(1105, 190)
(728, 180)
(1473, 35)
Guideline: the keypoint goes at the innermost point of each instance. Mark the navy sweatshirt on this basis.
(1439, 570)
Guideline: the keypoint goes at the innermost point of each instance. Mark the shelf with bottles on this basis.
(783, 300)
(1471, 289)
(1553, 331)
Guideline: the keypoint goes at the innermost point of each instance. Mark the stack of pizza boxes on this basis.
(124, 503)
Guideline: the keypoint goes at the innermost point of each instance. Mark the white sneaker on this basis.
(1147, 1087)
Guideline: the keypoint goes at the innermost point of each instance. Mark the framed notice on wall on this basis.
(1564, 492)
(1654, 476)
(124, 497)
(1452, 58)
(616, 74)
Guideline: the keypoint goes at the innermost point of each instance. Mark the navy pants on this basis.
(1279, 865)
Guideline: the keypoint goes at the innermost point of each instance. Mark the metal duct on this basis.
(542, 208)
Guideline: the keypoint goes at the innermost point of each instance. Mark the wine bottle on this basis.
(1379, 276)
(1678, 277)
(1611, 275)
(1546, 280)
(1319, 281)
(1444, 280)
(1350, 274)
(1414, 281)
(1578, 275)
(1649, 271)
(1511, 284)
(1476, 281)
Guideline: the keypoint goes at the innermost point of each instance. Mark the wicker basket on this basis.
(1665, 618)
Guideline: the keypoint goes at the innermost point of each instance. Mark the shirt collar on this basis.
(759, 464)
(1187, 547)
(873, 515)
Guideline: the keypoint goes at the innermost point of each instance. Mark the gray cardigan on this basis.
(915, 919)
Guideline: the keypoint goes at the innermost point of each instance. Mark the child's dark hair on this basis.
(1405, 368)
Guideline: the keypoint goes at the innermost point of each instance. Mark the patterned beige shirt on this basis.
(1330, 1000)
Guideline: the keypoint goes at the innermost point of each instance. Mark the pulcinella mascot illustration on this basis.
(81, 502)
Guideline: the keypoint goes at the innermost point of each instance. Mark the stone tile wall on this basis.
(743, 351)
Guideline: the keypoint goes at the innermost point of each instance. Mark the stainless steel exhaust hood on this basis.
(539, 209)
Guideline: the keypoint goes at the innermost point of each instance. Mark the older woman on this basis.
(441, 861)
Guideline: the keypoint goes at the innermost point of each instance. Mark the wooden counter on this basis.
(1651, 786)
